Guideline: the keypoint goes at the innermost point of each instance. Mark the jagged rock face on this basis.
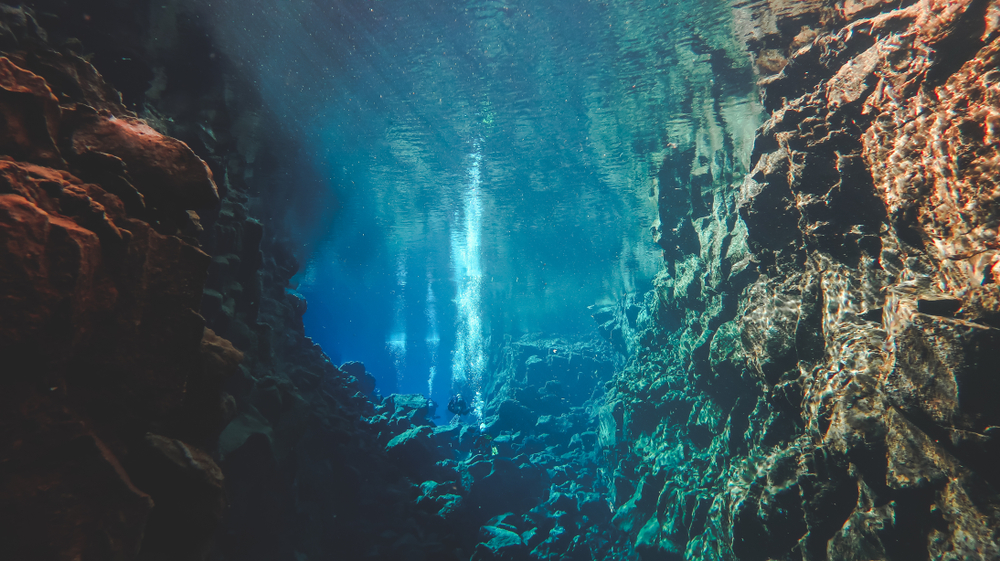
(852, 382)
(882, 162)
(113, 396)
(111, 381)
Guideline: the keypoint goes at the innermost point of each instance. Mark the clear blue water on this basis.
(477, 169)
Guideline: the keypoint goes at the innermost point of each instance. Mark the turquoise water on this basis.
(480, 169)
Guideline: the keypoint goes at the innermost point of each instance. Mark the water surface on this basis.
(482, 169)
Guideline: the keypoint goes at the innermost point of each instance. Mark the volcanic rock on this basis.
(100, 341)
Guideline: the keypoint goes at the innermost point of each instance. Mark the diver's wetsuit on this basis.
(458, 406)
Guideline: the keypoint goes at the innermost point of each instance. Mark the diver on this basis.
(458, 406)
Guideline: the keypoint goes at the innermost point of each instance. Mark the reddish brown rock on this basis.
(57, 102)
(49, 273)
(163, 169)
(30, 115)
(65, 495)
(74, 79)
(100, 338)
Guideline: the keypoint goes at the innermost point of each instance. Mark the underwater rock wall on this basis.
(828, 393)
(309, 470)
(116, 388)
(110, 404)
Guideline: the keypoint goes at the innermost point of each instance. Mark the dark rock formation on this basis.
(542, 410)
(111, 380)
(116, 392)
(837, 404)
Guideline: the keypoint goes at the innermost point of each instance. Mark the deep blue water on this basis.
(472, 170)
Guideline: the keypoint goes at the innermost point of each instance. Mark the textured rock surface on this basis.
(838, 405)
(526, 486)
(111, 381)
(115, 391)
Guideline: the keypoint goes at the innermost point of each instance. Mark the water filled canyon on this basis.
(405, 279)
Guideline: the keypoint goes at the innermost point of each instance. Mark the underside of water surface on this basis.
(294, 280)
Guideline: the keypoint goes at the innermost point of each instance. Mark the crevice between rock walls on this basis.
(813, 376)
(131, 271)
(824, 388)
(164, 402)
